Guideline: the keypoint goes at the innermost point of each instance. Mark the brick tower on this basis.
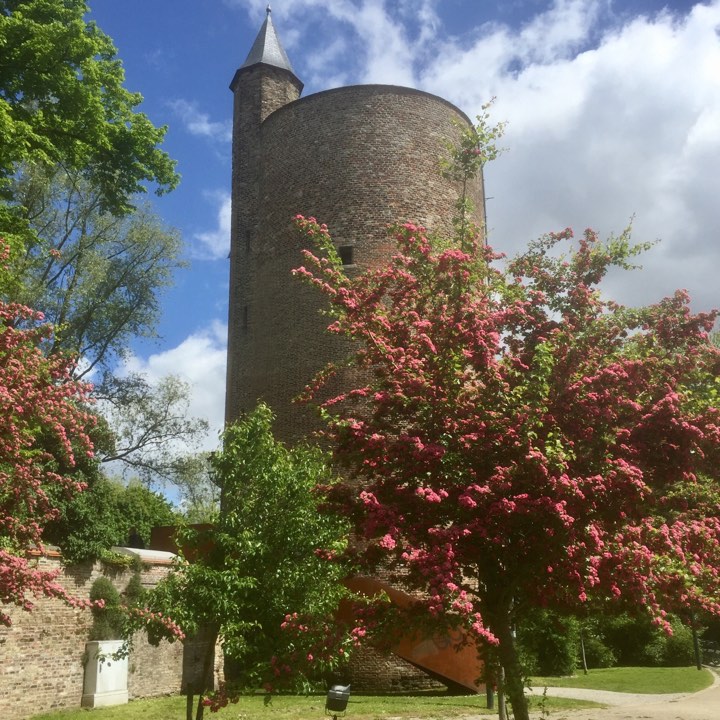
(357, 158)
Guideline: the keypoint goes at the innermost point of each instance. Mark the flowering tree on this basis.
(43, 433)
(515, 439)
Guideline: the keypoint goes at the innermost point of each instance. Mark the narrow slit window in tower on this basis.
(245, 318)
(346, 254)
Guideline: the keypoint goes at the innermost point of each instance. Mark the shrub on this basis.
(549, 643)
(597, 653)
(134, 591)
(679, 648)
(631, 641)
(108, 620)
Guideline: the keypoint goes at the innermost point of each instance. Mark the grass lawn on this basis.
(293, 707)
(634, 679)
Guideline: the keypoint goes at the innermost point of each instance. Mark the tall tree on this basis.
(62, 102)
(152, 432)
(75, 153)
(96, 276)
(261, 572)
(519, 439)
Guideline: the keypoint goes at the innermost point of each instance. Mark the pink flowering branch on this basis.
(44, 427)
(514, 439)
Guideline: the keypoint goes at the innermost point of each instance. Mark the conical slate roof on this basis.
(267, 48)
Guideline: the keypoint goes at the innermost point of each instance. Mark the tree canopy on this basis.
(44, 433)
(261, 572)
(62, 102)
(104, 515)
(96, 276)
(519, 439)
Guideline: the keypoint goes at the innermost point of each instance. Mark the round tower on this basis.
(358, 159)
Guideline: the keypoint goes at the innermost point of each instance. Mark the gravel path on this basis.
(703, 705)
(606, 697)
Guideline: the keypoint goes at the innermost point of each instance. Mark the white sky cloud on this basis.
(200, 361)
(198, 123)
(611, 116)
(215, 244)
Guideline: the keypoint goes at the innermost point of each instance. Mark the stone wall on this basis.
(41, 654)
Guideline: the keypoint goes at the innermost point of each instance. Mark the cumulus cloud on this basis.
(198, 123)
(200, 361)
(612, 114)
(215, 244)
(385, 39)
(618, 130)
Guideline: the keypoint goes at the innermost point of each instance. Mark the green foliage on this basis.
(146, 420)
(134, 591)
(548, 643)
(62, 102)
(108, 621)
(477, 146)
(260, 563)
(75, 154)
(597, 653)
(97, 277)
(199, 491)
(634, 641)
(674, 650)
(103, 515)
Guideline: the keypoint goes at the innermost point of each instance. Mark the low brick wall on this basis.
(374, 671)
(41, 654)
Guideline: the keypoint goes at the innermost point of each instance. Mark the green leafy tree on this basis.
(148, 424)
(75, 154)
(261, 583)
(96, 276)
(104, 515)
(62, 102)
(199, 488)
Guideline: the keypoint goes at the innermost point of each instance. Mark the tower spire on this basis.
(267, 47)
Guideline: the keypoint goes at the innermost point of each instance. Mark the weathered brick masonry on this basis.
(41, 654)
(357, 158)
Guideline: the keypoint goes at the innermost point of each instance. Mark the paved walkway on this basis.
(703, 705)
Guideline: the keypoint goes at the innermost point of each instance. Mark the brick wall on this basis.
(375, 671)
(357, 158)
(41, 654)
(258, 91)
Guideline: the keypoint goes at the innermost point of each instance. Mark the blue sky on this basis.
(613, 109)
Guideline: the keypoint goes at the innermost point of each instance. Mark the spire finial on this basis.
(268, 9)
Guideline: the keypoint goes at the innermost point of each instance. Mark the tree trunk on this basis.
(200, 707)
(502, 708)
(207, 679)
(513, 685)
